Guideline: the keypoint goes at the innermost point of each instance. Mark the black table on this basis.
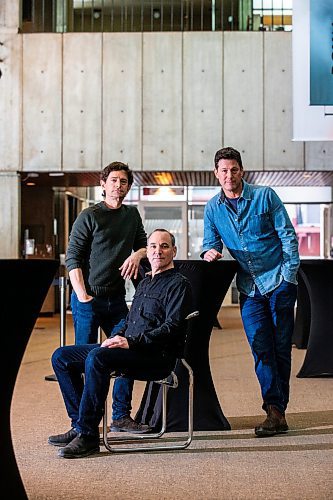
(315, 319)
(210, 282)
(303, 313)
(24, 285)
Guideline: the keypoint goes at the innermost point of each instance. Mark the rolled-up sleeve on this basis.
(212, 238)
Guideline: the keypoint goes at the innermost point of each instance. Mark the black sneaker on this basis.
(81, 446)
(127, 424)
(62, 439)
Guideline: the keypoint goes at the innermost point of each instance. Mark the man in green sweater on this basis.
(106, 245)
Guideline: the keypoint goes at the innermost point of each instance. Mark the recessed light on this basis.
(56, 174)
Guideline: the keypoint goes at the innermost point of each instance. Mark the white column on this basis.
(9, 16)
(10, 125)
(10, 215)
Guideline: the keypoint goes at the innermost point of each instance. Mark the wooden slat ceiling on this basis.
(183, 178)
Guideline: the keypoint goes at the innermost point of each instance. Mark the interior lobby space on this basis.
(161, 85)
(217, 465)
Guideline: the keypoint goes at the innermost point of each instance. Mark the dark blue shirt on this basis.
(156, 320)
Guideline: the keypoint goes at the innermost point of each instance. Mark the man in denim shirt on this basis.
(149, 342)
(255, 227)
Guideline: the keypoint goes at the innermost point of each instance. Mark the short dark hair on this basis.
(173, 239)
(228, 154)
(116, 166)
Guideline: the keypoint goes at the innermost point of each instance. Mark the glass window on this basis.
(306, 219)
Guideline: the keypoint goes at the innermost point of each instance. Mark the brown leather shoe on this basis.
(127, 424)
(275, 423)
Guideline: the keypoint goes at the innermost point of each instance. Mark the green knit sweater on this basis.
(100, 240)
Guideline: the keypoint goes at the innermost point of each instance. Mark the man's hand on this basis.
(87, 298)
(212, 255)
(116, 341)
(130, 267)
(78, 285)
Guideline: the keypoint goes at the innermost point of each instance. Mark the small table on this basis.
(210, 282)
(315, 319)
(301, 333)
(25, 284)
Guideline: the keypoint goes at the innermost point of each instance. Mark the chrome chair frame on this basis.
(170, 382)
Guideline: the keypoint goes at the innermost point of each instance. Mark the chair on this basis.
(170, 382)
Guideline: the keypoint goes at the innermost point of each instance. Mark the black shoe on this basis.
(81, 446)
(127, 424)
(62, 439)
(275, 423)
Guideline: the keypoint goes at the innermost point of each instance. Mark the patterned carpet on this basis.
(217, 465)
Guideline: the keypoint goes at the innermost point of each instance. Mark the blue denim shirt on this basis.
(260, 236)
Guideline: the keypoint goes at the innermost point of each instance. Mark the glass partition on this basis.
(148, 15)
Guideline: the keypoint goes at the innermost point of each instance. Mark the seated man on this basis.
(149, 342)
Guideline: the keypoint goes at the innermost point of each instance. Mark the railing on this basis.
(163, 15)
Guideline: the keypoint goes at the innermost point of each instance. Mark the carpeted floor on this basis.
(217, 465)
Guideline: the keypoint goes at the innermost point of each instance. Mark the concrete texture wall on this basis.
(158, 101)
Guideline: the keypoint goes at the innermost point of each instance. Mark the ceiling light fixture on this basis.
(30, 175)
(156, 13)
(163, 178)
(97, 13)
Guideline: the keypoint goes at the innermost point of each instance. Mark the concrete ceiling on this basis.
(182, 178)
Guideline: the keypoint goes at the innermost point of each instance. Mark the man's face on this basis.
(116, 185)
(160, 252)
(229, 175)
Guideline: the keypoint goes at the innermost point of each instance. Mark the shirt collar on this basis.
(246, 192)
(148, 274)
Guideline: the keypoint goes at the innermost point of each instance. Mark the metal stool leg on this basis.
(166, 385)
(62, 290)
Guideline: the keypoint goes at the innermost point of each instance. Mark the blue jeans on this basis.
(107, 313)
(85, 399)
(269, 323)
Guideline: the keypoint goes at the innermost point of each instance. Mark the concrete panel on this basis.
(42, 113)
(9, 16)
(162, 101)
(10, 224)
(10, 101)
(243, 96)
(202, 99)
(122, 103)
(319, 155)
(280, 152)
(82, 90)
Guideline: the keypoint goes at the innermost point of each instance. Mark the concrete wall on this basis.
(155, 100)
(158, 101)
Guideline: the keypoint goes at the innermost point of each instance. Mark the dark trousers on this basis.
(107, 313)
(84, 398)
(269, 324)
